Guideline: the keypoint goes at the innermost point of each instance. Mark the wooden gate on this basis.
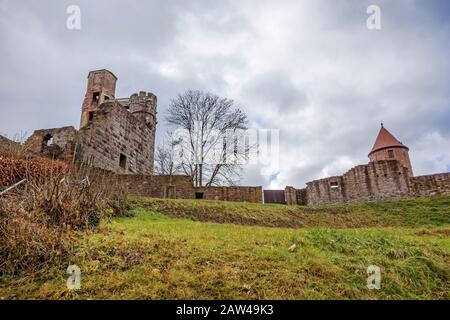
(274, 196)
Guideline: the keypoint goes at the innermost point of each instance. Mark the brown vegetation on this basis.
(37, 219)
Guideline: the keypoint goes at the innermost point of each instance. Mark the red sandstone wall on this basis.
(324, 191)
(381, 180)
(101, 81)
(156, 186)
(181, 187)
(61, 137)
(112, 132)
(239, 194)
(426, 186)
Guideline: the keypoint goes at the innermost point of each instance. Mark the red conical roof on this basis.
(386, 140)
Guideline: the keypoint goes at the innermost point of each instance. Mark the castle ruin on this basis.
(118, 135)
(388, 176)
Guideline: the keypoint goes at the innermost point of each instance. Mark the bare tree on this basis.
(203, 150)
(164, 160)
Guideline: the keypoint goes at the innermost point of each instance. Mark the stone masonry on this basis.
(388, 176)
(118, 136)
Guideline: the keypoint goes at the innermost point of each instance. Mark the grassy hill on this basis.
(185, 249)
(411, 213)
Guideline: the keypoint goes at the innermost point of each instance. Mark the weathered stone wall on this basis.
(100, 88)
(381, 180)
(239, 194)
(326, 191)
(296, 196)
(181, 187)
(39, 142)
(302, 197)
(117, 141)
(158, 186)
(290, 194)
(431, 185)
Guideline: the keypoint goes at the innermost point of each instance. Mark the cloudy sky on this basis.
(311, 69)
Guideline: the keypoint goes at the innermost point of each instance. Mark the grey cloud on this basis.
(308, 68)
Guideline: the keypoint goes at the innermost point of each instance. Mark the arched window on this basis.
(48, 140)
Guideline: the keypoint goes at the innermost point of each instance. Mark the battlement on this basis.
(143, 102)
(143, 105)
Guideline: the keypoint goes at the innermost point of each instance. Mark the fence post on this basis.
(12, 187)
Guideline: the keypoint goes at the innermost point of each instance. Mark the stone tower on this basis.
(387, 147)
(101, 87)
(143, 106)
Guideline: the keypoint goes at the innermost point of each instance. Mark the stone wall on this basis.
(290, 194)
(240, 194)
(180, 187)
(100, 88)
(326, 191)
(431, 185)
(295, 196)
(376, 181)
(158, 186)
(380, 180)
(51, 143)
(117, 141)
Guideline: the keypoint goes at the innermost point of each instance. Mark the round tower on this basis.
(387, 147)
(100, 88)
(143, 106)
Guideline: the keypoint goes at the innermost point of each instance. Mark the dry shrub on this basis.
(14, 148)
(36, 170)
(28, 240)
(37, 219)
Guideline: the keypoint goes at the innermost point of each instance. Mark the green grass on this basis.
(410, 213)
(171, 256)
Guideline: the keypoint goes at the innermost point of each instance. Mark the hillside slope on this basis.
(155, 256)
(408, 213)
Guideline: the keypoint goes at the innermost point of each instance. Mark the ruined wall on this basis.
(290, 194)
(180, 187)
(100, 88)
(326, 191)
(117, 141)
(302, 197)
(239, 194)
(295, 196)
(51, 143)
(381, 180)
(158, 186)
(431, 185)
